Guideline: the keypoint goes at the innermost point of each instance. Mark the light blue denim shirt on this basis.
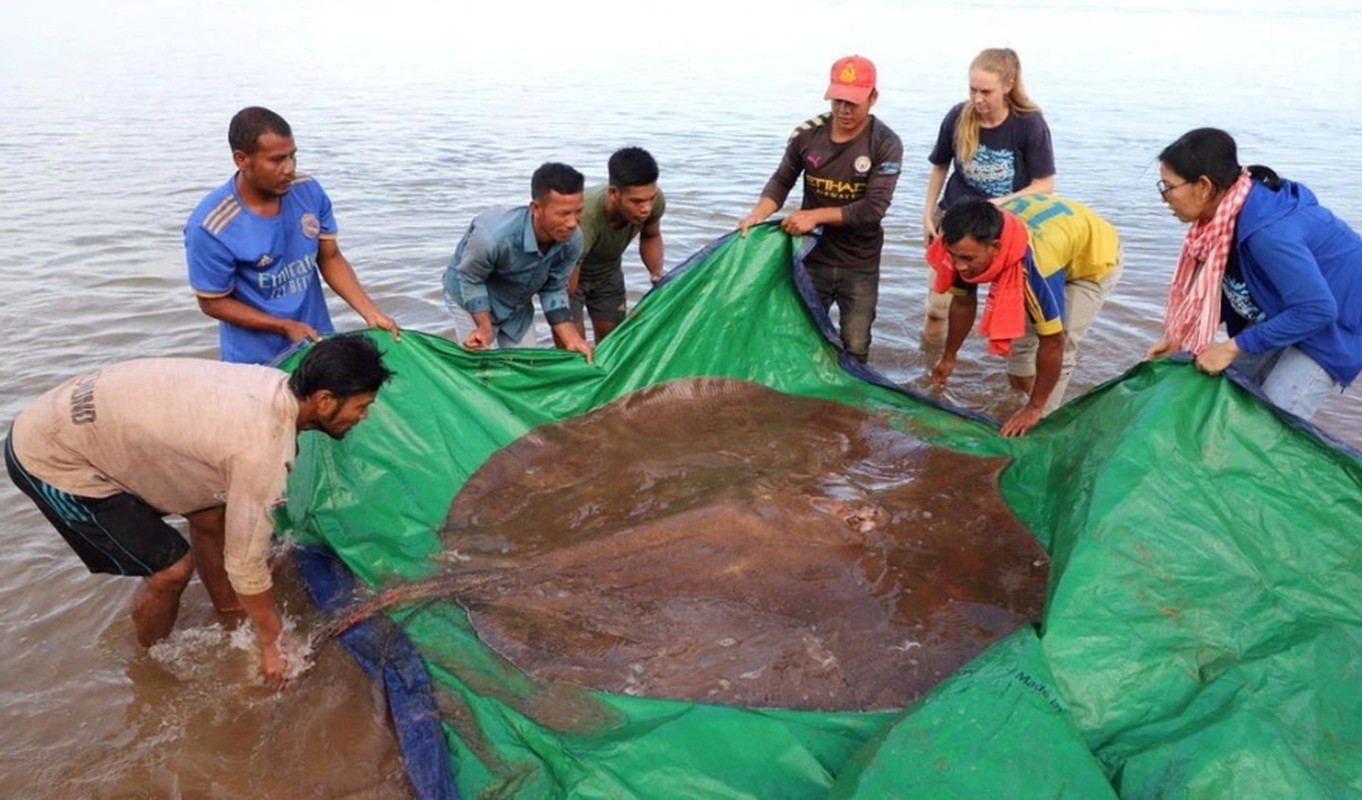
(497, 268)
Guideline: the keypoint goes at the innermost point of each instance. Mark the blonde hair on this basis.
(1003, 62)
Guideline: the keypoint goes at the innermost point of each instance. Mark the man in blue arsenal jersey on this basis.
(256, 245)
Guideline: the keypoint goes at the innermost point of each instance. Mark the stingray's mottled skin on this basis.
(717, 541)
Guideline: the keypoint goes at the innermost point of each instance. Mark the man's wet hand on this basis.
(942, 371)
(273, 665)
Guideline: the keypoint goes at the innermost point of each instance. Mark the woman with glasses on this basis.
(1263, 256)
(998, 145)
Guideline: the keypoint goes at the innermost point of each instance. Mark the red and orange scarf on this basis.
(1192, 315)
(1005, 310)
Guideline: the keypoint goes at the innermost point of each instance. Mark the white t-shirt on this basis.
(181, 434)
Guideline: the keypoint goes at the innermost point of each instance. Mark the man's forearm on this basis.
(341, 277)
(650, 252)
(264, 615)
(235, 312)
(959, 322)
(1049, 361)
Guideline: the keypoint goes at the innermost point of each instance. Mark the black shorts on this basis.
(118, 535)
(602, 298)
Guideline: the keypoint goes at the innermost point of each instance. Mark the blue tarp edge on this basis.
(385, 653)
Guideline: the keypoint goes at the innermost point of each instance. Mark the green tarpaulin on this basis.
(1203, 624)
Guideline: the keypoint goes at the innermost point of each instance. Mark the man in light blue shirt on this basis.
(508, 256)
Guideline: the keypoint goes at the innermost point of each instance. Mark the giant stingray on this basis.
(714, 540)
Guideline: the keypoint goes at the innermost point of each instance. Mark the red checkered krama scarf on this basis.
(1005, 310)
(1192, 315)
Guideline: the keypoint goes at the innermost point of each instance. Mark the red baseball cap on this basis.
(853, 79)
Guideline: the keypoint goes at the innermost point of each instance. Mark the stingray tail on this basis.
(433, 589)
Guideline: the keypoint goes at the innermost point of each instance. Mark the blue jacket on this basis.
(1303, 268)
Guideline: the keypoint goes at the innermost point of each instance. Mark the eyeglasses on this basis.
(1165, 187)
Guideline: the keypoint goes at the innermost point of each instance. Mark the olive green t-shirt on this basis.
(603, 246)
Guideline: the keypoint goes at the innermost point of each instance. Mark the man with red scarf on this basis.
(1050, 263)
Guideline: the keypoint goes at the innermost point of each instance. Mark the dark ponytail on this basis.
(1266, 175)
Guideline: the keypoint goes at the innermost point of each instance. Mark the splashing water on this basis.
(192, 653)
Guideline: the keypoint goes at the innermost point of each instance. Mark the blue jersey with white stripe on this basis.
(268, 263)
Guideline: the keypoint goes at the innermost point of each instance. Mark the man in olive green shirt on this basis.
(630, 206)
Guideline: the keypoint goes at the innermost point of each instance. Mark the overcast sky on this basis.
(57, 34)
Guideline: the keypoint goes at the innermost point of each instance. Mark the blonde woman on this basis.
(997, 143)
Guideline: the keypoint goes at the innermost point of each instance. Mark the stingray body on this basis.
(714, 540)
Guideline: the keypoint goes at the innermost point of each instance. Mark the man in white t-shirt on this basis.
(106, 455)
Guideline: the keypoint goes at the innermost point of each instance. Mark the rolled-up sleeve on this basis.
(473, 262)
(553, 296)
(256, 485)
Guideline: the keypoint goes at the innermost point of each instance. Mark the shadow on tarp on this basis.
(1202, 620)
